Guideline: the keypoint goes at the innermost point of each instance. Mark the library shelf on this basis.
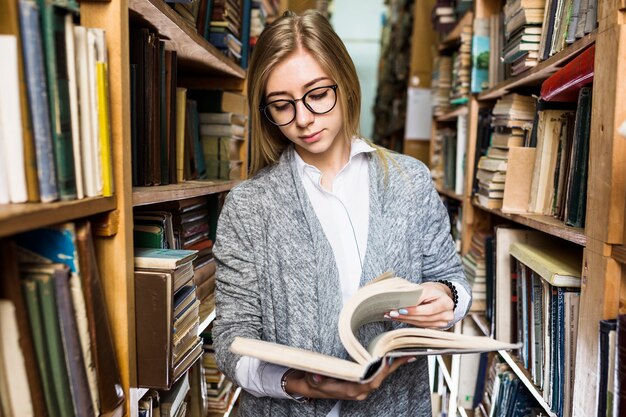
(16, 218)
(231, 404)
(452, 38)
(451, 116)
(191, 48)
(204, 323)
(449, 193)
(545, 224)
(515, 365)
(525, 377)
(187, 189)
(618, 252)
(542, 71)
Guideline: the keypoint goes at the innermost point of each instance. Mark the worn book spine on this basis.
(105, 129)
(110, 390)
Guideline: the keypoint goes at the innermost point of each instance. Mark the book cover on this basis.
(560, 265)
(565, 84)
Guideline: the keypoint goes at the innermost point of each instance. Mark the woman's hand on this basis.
(317, 386)
(434, 309)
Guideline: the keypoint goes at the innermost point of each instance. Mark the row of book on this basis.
(55, 131)
(57, 355)
(448, 156)
(612, 367)
(174, 131)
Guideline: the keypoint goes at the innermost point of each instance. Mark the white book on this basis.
(74, 115)
(85, 101)
(11, 140)
(461, 143)
(14, 388)
(92, 57)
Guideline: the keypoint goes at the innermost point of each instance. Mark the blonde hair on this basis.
(312, 33)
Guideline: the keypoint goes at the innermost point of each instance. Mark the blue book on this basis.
(55, 244)
(38, 98)
(245, 33)
(480, 63)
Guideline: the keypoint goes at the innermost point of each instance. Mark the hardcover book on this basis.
(368, 305)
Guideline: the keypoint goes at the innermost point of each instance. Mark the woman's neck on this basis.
(330, 162)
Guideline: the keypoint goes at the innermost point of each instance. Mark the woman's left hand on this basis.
(434, 309)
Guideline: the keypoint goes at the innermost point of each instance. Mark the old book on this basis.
(518, 183)
(16, 399)
(559, 265)
(370, 304)
(162, 258)
(110, 392)
(219, 101)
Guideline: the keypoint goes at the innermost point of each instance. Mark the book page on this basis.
(369, 305)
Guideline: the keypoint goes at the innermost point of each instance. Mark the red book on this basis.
(565, 84)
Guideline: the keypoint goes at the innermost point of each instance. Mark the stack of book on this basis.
(442, 85)
(462, 68)
(222, 136)
(566, 21)
(219, 388)
(258, 20)
(513, 114)
(57, 355)
(523, 31)
(474, 264)
(226, 28)
(444, 16)
(55, 140)
(166, 314)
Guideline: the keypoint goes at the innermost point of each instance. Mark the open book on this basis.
(367, 305)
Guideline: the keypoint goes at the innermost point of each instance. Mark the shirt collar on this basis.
(358, 146)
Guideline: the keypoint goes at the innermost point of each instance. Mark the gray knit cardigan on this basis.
(277, 279)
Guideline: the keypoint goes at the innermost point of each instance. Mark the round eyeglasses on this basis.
(319, 100)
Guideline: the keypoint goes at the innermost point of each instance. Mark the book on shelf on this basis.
(565, 84)
(606, 366)
(369, 304)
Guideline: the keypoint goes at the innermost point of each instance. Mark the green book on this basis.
(29, 290)
(148, 236)
(54, 345)
(558, 264)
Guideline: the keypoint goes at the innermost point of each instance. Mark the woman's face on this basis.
(314, 135)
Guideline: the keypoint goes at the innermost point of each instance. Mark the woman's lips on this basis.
(311, 138)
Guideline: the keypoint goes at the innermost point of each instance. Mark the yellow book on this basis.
(558, 264)
(105, 128)
(181, 109)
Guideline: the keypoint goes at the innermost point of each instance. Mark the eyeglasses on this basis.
(319, 100)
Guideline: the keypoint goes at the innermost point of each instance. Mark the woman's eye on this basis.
(318, 96)
(280, 107)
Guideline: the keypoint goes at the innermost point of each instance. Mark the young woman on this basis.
(323, 213)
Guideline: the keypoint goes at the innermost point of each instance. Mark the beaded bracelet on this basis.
(283, 385)
(455, 294)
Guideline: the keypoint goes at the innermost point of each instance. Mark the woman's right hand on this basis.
(300, 383)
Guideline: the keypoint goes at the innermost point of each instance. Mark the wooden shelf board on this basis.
(461, 111)
(179, 35)
(449, 193)
(526, 379)
(16, 218)
(542, 71)
(545, 224)
(618, 252)
(188, 189)
(444, 371)
(233, 400)
(455, 34)
(481, 322)
(205, 323)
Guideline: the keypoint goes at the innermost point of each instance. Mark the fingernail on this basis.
(387, 316)
(403, 311)
(389, 361)
(413, 359)
(394, 314)
(317, 378)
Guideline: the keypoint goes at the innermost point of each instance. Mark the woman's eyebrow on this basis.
(307, 85)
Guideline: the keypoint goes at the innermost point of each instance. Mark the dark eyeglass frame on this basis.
(263, 107)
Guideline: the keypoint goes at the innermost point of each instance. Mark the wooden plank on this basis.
(422, 37)
(449, 193)
(542, 223)
(194, 52)
(199, 83)
(486, 8)
(606, 200)
(189, 189)
(453, 115)
(542, 71)
(599, 300)
(114, 254)
(16, 218)
(471, 221)
(619, 253)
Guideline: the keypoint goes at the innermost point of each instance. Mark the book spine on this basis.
(105, 129)
(245, 33)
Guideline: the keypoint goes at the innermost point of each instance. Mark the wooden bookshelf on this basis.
(448, 117)
(545, 224)
(449, 193)
(542, 71)
(194, 52)
(16, 218)
(188, 189)
(206, 322)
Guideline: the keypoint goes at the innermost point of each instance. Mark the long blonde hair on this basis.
(311, 32)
